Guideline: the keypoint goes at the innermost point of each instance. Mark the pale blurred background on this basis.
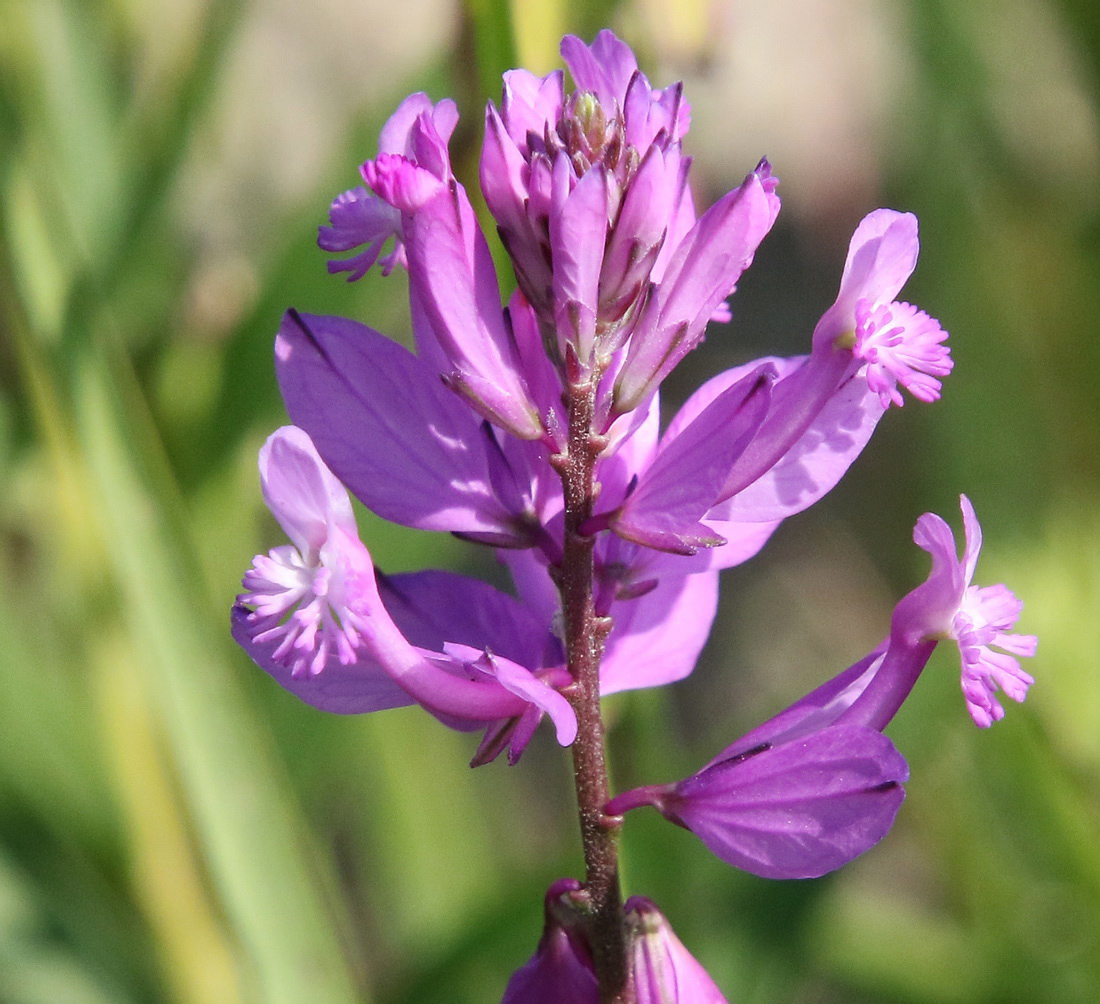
(173, 828)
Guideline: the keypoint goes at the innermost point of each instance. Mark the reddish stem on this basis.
(585, 633)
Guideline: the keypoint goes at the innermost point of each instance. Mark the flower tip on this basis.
(763, 172)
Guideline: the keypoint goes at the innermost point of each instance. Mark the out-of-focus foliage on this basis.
(174, 828)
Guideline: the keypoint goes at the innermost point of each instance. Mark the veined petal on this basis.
(798, 810)
(657, 638)
(407, 447)
(504, 182)
(686, 476)
(664, 971)
(803, 391)
(816, 459)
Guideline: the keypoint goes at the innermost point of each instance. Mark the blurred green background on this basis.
(175, 828)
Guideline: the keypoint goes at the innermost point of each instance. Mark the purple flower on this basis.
(899, 343)
(978, 619)
(359, 218)
(580, 193)
(826, 405)
(662, 971)
(316, 617)
(819, 784)
(776, 453)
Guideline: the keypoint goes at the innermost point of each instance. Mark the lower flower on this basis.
(819, 784)
(317, 618)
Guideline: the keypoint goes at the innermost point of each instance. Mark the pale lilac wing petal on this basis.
(402, 443)
(657, 638)
(816, 461)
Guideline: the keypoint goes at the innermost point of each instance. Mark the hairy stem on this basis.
(585, 633)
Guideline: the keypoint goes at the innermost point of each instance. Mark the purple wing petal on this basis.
(657, 638)
(815, 462)
(403, 444)
(818, 710)
(798, 810)
(433, 607)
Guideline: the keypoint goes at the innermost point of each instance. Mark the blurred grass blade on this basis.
(493, 43)
(249, 829)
